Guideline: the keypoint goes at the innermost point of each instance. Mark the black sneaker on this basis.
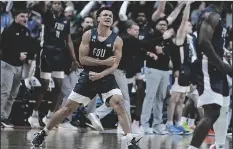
(133, 144)
(6, 123)
(39, 138)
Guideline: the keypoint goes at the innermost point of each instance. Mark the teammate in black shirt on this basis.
(100, 53)
(182, 81)
(212, 71)
(55, 38)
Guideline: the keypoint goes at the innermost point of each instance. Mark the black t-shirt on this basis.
(133, 53)
(54, 31)
(14, 40)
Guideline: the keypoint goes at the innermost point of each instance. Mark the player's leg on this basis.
(103, 110)
(56, 94)
(45, 76)
(72, 104)
(221, 126)
(178, 113)
(187, 110)
(211, 114)
(122, 83)
(117, 103)
(81, 94)
(175, 96)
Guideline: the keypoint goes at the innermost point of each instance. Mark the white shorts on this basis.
(213, 98)
(54, 74)
(208, 96)
(85, 100)
(177, 88)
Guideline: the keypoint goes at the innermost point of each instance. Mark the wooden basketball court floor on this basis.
(86, 138)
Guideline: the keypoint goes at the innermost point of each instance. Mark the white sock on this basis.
(191, 122)
(220, 127)
(178, 123)
(192, 147)
(46, 130)
(220, 146)
(183, 120)
(169, 123)
(35, 113)
(49, 114)
(229, 117)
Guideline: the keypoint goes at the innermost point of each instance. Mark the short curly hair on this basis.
(102, 9)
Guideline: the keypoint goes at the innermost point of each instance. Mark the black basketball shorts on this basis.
(85, 89)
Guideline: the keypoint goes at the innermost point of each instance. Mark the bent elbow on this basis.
(82, 60)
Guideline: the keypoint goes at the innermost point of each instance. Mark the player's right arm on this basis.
(205, 42)
(84, 50)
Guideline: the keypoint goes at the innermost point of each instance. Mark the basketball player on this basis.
(99, 53)
(182, 80)
(210, 49)
(55, 38)
(191, 104)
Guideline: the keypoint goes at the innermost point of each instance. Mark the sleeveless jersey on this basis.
(185, 68)
(216, 78)
(54, 31)
(100, 50)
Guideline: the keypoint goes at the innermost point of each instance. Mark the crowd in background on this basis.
(82, 16)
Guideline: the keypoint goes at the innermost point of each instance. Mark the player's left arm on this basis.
(75, 63)
(117, 53)
(181, 35)
(71, 48)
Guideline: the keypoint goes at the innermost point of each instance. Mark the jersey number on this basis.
(59, 27)
(224, 31)
(58, 34)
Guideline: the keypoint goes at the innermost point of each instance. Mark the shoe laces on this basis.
(40, 134)
(134, 142)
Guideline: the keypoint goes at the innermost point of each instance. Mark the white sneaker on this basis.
(120, 129)
(149, 131)
(160, 129)
(46, 119)
(67, 125)
(213, 146)
(135, 128)
(95, 121)
(34, 121)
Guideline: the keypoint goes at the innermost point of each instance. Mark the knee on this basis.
(174, 98)
(180, 102)
(116, 101)
(67, 110)
(224, 111)
(150, 96)
(44, 87)
(211, 118)
(57, 89)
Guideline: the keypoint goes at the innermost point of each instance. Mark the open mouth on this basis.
(107, 21)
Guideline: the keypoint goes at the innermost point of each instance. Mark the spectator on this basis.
(196, 13)
(16, 45)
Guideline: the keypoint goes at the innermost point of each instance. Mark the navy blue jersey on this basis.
(218, 40)
(206, 70)
(100, 50)
(54, 31)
